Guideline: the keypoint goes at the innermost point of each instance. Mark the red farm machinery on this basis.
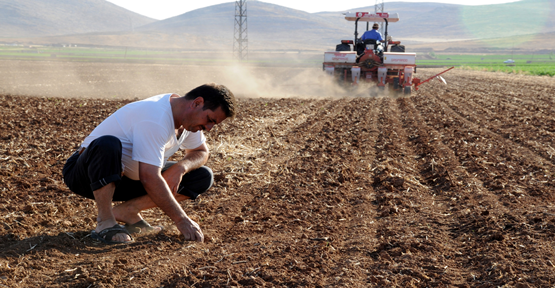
(370, 61)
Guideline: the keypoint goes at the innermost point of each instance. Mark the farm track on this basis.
(452, 187)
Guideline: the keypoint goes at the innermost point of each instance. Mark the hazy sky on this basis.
(162, 9)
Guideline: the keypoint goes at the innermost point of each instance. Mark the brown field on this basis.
(452, 187)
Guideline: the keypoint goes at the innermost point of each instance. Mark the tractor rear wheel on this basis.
(407, 90)
(396, 85)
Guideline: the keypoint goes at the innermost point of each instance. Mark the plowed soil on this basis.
(451, 187)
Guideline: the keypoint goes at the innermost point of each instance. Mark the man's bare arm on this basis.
(160, 193)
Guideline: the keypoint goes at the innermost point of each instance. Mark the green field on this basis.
(134, 55)
(99, 54)
(533, 64)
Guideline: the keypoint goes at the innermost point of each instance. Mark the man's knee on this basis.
(196, 182)
(208, 177)
(204, 179)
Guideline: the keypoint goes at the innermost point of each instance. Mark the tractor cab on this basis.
(364, 47)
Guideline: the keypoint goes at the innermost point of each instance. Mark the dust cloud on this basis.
(139, 81)
(280, 82)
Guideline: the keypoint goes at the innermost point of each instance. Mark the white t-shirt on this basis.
(147, 133)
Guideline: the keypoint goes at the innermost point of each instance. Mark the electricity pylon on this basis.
(379, 9)
(241, 42)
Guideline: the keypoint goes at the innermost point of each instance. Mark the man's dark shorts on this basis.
(100, 164)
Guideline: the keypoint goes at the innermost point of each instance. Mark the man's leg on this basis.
(129, 211)
(106, 219)
(92, 174)
(192, 184)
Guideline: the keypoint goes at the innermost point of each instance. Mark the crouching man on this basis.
(125, 159)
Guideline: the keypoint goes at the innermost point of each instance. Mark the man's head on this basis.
(214, 96)
(376, 26)
(206, 106)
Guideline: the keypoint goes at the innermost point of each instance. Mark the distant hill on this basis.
(417, 20)
(34, 18)
(269, 26)
(424, 22)
(273, 27)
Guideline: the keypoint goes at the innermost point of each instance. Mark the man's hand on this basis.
(173, 175)
(190, 230)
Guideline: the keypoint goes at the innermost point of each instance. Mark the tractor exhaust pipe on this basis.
(386, 25)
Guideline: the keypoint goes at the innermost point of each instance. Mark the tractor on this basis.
(384, 63)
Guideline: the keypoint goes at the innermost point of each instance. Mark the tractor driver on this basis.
(373, 34)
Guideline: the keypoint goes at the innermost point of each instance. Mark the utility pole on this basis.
(379, 9)
(241, 41)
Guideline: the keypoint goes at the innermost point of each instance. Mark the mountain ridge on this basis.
(39, 18)
(274, 27)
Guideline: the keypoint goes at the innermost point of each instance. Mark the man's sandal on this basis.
(105, 236)
(142, 227)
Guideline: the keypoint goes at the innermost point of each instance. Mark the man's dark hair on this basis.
(214, 95)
